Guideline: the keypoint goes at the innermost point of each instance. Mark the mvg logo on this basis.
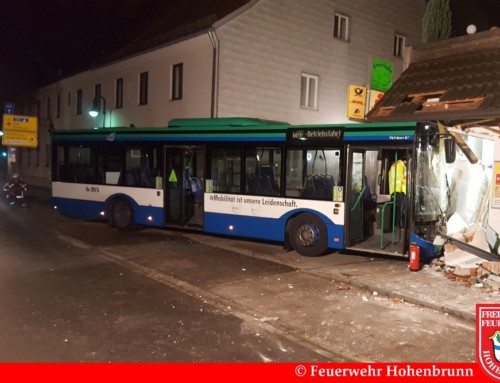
(488, 338)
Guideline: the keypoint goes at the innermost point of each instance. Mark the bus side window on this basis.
(309, 190)
(145, 177)
(267, 180)
(263, 168)
(313, 173)
(225, 170)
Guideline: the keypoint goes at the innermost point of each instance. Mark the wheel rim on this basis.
(307, 235)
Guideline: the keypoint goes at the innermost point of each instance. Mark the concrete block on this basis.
(493, 282)
(494, 267)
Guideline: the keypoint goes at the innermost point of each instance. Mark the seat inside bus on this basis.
(318, 186)
(263, 182)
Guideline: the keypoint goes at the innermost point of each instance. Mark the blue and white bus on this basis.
(314, 188)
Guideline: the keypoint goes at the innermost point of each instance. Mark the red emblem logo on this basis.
(488, 338)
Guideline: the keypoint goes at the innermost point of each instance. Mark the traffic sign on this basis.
(9, 108)
(20, 131)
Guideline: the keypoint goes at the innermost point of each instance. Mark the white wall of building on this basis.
(261, 54)
(494, 212)
(264, 50)
(196, 56)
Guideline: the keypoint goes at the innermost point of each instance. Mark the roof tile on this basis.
(469, 80)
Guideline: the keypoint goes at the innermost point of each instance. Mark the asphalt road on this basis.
(81, 291)
(62, 302)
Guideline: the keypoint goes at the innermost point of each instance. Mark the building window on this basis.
(79, 101)
(399, 45)
(97, 91)
(119, 93)
(341, 27)
(143, 88)
(177, 74)
(58, 106)
(49, 115)
(309, 91)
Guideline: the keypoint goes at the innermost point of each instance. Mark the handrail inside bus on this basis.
(394, 204)
(382, 227)
(359, 199)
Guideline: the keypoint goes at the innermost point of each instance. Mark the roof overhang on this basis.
(455, 80)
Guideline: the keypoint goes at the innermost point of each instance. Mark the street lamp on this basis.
(96, 108)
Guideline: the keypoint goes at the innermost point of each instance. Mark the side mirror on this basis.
(450, 149)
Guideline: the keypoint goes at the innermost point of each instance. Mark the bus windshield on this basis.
(429, 172)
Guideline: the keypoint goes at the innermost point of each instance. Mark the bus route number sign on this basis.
(314, 134)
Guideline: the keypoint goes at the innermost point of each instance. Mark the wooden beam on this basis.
(469, 103)
(478, 123)
(464, 147)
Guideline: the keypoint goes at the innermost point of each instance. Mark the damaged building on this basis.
(454, 85)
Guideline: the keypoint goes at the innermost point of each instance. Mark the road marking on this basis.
(333, 352)
(75, 242)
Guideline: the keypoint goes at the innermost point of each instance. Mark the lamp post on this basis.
(96, 108)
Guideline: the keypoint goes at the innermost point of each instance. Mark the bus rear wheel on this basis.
(308, 235)
(122, 215)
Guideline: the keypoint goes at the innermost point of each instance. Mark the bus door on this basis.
(184, 186)
(375, 218)
(354, 196)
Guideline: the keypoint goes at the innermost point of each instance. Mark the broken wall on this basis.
(470, 184)
(493, 227)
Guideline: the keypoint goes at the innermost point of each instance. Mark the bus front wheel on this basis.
(308, 235)
(122, 215)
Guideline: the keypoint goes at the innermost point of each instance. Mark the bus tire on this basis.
(308, 235)
(122, 215)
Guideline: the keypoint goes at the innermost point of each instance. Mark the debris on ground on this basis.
(462, 266)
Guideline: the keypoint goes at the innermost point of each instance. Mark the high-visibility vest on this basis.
(397, 177)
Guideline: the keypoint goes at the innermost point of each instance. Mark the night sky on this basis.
(44, 39)
(484, 14)
(41, 39)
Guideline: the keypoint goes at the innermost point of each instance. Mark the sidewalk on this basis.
(384, 277)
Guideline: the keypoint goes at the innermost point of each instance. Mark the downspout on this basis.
(212, 35)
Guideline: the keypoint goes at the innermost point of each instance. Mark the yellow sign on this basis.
(495, 203)
(20, 131)
(356, 103)
(338, 193)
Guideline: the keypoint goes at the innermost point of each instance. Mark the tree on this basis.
(436, 23)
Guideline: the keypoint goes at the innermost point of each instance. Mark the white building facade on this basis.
(286, 60)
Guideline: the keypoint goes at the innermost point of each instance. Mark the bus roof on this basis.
(238, 129)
